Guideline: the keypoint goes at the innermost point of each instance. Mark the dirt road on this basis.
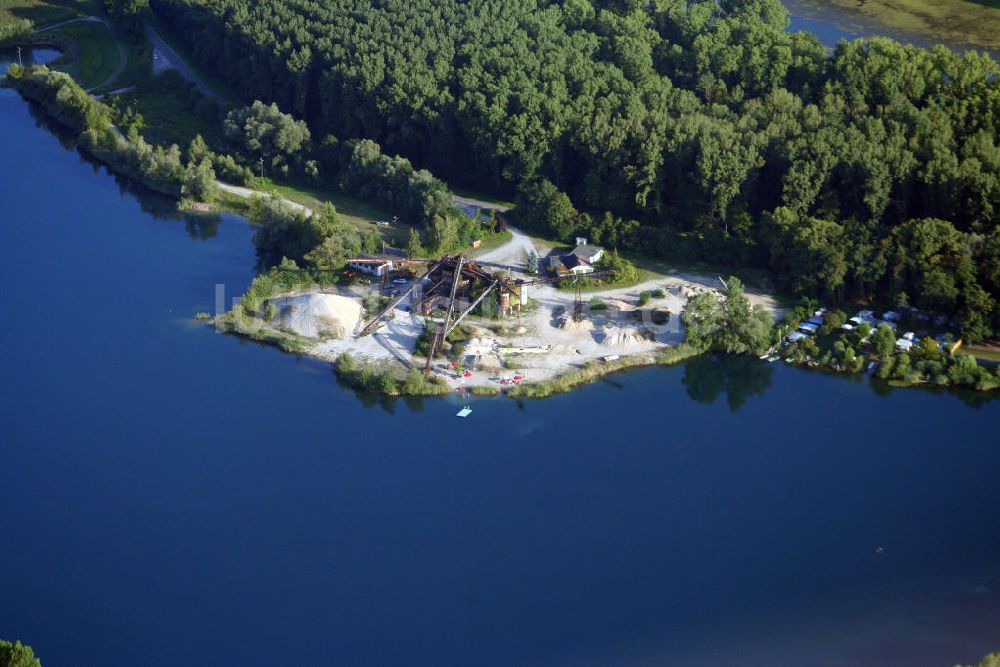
(122, 56)
(171, 59)
(511, 254)
(246, 193)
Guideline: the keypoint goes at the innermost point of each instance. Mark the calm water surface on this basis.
(29, 56)
(832, 24)
(172, 496)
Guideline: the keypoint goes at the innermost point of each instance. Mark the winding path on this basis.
(246, 193)
(122, 56)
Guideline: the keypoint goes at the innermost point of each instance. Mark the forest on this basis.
(686, 129)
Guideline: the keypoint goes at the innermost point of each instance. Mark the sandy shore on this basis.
(540, 344)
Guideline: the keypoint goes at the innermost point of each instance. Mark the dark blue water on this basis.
(29, 56)
(173, 496)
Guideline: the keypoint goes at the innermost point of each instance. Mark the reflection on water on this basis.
(29, 56)
(199, 225)
(827, 33)
(157, 477)
(706, 379)
(739, 378)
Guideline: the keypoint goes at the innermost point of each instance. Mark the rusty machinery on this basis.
(460, 276)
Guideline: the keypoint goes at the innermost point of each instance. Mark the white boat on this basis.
(464, 412)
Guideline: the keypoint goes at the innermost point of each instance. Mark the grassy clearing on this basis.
(173, 114)
(975, 23)
(97, 52)
(44, 12)
(227, 201)
(989, 353)
(358, 213)
(486, 198)
(138, 65)
(659, 268)
(500, 239)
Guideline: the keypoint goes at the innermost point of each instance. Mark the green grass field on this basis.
(41, 13)
(138, 65)
(988, 353)
(172, 114)
(483, 197)
(97, 56)
(358, 213)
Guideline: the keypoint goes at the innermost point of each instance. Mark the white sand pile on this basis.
(318, 315)
(570, 324)
(622, 337)
(480, 346)
(618, 304)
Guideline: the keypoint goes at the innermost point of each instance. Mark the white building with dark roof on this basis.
(578, 261)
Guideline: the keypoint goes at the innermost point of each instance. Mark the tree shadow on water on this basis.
(738, 377)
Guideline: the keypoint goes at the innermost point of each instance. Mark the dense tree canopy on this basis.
(729, 323)
(16, 654)
(128, 14)
(262, 131)
(675, 126)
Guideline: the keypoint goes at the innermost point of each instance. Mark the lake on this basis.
(832, 24)
(169, 495)
(29, 56)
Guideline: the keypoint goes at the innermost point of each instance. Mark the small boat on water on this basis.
(464, 412)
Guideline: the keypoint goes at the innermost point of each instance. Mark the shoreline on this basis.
(366, 375)
(572, 379)
(919, 22)
(551, 349)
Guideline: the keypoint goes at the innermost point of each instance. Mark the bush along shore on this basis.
(154, 167)
(593, 371)
(323, 241)
(97, 129)
(927, 360)
(727, 324)
(111, 134)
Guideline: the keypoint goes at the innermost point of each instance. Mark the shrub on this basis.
(16, 30)
(17, 654)
(394, 183)
(199, 181)
(155, 167)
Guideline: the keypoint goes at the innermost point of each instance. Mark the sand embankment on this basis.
(318, 315)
